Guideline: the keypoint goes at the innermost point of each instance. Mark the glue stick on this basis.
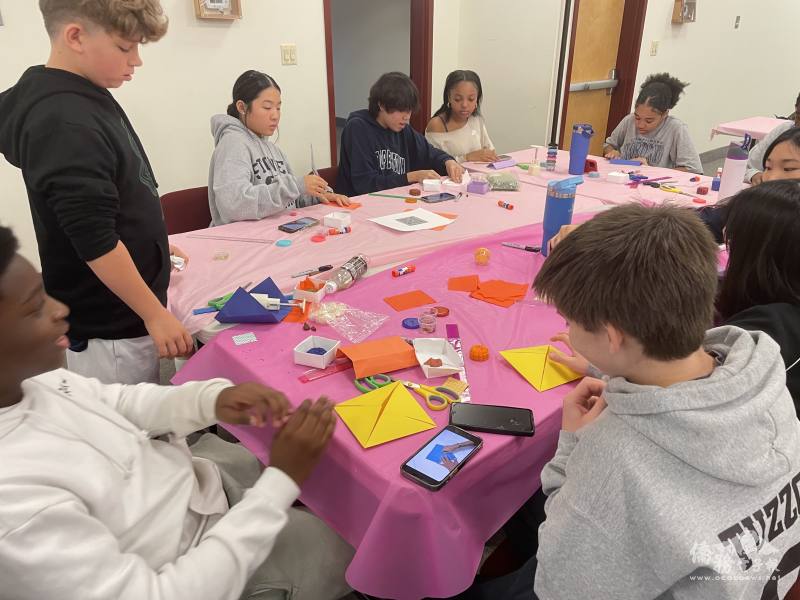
(339, 231)
(404, 270)
(505, 205)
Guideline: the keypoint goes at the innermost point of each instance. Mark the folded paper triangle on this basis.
(382, 415)
(243, 308)
(383, 355)
(535, 365)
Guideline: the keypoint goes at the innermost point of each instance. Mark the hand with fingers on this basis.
(252, 404)
(583, 404)
(298, 446)
(611, 152)
(454, 170)
(418, 176)
(563, 232)
(335, 199)
(574, 361)
(169, 335)
(315, 185)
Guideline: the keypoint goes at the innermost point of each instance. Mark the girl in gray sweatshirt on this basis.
(250, 177)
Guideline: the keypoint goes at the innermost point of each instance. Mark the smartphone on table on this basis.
(434, 198)
(298, 224)
(439, 459)
(506, 420)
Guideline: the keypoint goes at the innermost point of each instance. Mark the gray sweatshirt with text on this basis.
(249, 177)
(685, 492)
(669, 145)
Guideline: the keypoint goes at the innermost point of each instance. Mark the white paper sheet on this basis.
(413, 220)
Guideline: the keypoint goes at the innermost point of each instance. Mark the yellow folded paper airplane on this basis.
(382, 415)
(535, 366)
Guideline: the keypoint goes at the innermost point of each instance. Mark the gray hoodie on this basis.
(249, 177)
(687, 492)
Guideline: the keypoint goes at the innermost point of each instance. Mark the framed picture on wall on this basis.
(218, 9)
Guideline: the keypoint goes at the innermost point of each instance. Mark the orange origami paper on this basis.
(380, 356)
(467, 283)
(409, 300)
(352, 206)
(499, 292)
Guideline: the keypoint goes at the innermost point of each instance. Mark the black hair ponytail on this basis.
(247, 88)
(661, 92)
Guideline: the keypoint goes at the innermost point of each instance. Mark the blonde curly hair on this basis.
(136, 20)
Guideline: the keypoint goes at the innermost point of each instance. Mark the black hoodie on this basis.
(376, 158)
(90, 186)
(781, 321)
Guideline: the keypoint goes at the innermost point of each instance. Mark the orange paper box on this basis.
(380, 356)
(409, 300)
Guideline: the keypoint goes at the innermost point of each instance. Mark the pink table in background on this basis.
(412, 543)
(757, 127)
(206, 278)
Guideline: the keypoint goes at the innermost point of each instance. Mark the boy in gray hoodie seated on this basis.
(676, 476)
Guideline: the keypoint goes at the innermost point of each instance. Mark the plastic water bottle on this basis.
(346, 275)
(579, 147)
(558, 207)
(732, 179)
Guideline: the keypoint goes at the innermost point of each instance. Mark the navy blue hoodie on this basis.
(90, 186)
(376, 158)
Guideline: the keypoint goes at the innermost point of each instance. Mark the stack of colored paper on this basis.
(499, 292)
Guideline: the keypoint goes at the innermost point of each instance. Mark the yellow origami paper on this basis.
(382, 415)
(535, 366)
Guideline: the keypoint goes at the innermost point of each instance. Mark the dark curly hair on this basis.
(661, 92)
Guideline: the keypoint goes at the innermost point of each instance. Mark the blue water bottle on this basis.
(558, 207)
(579, 147)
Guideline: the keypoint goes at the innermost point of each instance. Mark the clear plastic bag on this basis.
(503, 182)
(352, 323)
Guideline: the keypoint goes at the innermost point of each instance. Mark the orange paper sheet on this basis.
(380, 356)
(466, 283)
(499, 292)
(352, 206)
(409, 300)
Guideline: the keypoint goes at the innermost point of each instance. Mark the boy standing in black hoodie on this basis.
(380, 150)
(99, 226)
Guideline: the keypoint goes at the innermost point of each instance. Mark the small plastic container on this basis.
(482, 256)
(427, 322)
(318, 361)
(308, 295)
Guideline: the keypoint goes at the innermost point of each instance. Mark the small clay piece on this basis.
(694, 179)
(414, 192)
(316, 350)
(411, 323)
(434, 362)
(411, 200)
(306, 326)
(479, 353)
(313, 328)
(318, 238)
(440, 311)
(702, 190)
(698, 201)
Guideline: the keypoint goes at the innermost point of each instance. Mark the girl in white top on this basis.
(458, 127)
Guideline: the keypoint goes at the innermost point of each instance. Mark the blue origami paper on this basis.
(243, 308)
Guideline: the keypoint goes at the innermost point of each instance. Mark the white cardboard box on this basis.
(309, 296)
(431, 185)
(440, 348)
(337, 219)
(319, 361)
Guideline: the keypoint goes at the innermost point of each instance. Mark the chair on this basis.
(330, 174)
(186, 210)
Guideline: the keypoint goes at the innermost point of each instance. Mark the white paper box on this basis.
(337, 219)
(431, 185)
(309, 296)
(618, 177)
(440, 348)
(319, 361)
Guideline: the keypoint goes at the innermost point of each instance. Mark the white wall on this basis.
(370, 37)
(186, 78)
(512, 45)
(734, 73)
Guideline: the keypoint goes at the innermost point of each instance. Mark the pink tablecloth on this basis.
(412, 543)
(206, 278)
(599, 189)
(757, 127)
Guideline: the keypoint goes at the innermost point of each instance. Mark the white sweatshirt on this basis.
(91, 507)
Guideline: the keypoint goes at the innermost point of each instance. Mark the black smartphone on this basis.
(507, 420)
(297, 225)
(438, 460)
(433, 198)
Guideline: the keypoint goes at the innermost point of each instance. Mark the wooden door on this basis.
(595, 39)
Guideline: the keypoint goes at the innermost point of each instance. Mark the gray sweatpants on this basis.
(309, 558)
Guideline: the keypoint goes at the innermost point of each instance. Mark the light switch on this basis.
(288, 54)
(653, 47)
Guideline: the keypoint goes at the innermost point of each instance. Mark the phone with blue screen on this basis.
(437, 461)
(297, 225)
